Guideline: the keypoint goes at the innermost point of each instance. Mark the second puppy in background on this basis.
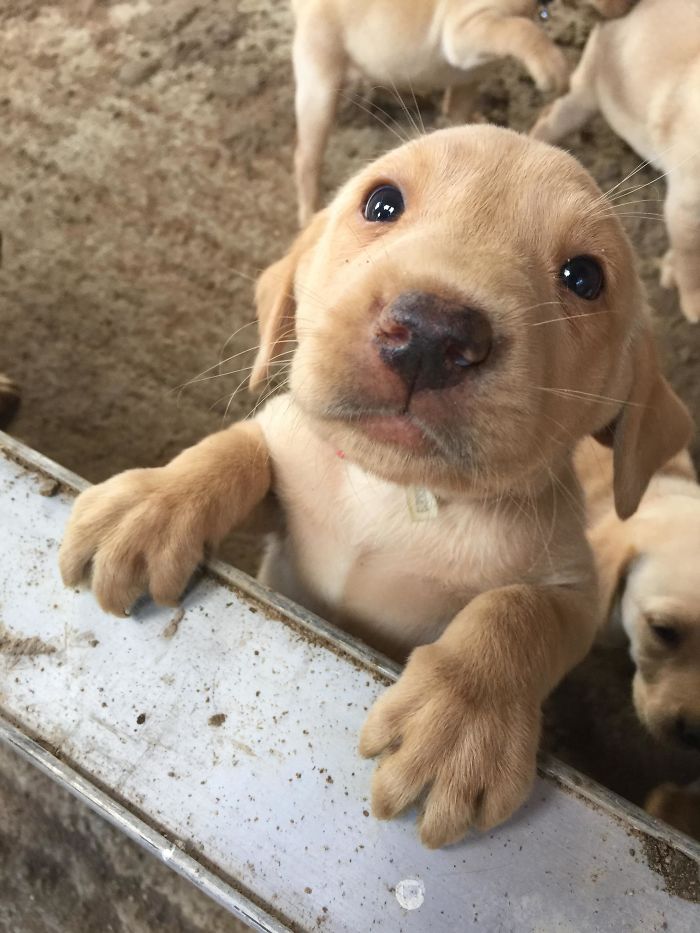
(643, 73)
(412, 44)
(648, 572)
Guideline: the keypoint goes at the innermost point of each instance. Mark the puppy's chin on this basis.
(658, 722)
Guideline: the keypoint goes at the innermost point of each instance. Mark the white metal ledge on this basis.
(223, 738)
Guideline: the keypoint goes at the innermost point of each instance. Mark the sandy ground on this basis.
(145, 153)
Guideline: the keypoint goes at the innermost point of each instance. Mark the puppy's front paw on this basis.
(460, 746)
(138, 531)
(549, 70)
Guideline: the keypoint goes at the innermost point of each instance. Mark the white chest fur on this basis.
(354, 551)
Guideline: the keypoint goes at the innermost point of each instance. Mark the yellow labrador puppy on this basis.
(643, 73)
(418, 44)
(649, 570)
(461, 318)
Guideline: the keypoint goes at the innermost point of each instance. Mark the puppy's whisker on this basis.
(415, 104)
(199, 376)
(578, 395)
(571, 317)
(235, 334)
(392, 129)
(641, 216)
(642, 165)
(405, 109)
(276, 361)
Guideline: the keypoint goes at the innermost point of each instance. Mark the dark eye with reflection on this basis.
(583, 276)
(384, 205)
(666, 634)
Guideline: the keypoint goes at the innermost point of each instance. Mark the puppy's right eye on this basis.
(583, 276)
(666, 634)
(384, 205)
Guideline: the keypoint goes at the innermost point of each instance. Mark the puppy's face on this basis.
(661, 615)
(466, 309)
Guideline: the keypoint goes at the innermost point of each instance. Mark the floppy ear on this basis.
(275, 300)
(653, 426)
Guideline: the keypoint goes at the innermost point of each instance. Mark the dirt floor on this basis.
(145, 154)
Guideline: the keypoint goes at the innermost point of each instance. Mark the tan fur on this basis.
(652, 562)
(643, 73)
(679, 806)
(612, 8)
(412, 45)
(9, 400)
(496, 593)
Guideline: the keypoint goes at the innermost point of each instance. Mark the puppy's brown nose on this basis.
(432, 342)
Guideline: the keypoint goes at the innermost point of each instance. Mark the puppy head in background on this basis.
(465, 310)
(654, 576)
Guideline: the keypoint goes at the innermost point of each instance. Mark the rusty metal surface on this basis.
(223, 738)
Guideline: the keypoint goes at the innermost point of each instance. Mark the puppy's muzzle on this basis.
(688, 732)
(431, 342)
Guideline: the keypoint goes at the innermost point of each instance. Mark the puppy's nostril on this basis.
(688, 732)
(471, 355)
(394, 335)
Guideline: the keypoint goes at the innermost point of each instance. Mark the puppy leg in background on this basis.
(149, 529)
(575, 109)
(462, 724)
(459, 103)
(466, 36)
(681, 265)
(611, 9)
(319, 70)
(9, 400)
(679, 806)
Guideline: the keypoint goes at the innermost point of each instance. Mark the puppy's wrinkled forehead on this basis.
(496, 189)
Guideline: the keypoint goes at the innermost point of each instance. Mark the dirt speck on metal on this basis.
(173, 625)
(23, 647)
(679, 872)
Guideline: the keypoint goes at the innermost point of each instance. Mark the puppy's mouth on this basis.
(400, 430)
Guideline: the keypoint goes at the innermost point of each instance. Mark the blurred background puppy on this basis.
(417, 45)
(643, 73)
(648, 572)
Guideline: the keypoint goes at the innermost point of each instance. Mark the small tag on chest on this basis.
(422, 504)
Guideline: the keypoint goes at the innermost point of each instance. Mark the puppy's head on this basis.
(464, 311)
(660, 609)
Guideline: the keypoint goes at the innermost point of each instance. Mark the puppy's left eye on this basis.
(583, 276)
(384, 205)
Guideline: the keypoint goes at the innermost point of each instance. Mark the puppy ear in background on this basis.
(652, 426)
(275, 301)
(614, 548)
